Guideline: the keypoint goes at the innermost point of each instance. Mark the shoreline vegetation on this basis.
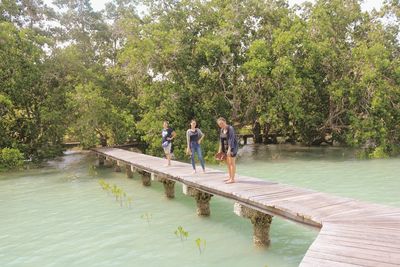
(16, 162)
(313, 74)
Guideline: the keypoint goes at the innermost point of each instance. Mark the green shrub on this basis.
(379, 153)
(11, 158)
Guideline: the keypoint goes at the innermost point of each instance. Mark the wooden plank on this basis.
(363, 233)
(355, 254)
(221, 185)
(316, 262)
(360, 209)
(286, 195)
(361, 243)
(321, 255)
(263, 191)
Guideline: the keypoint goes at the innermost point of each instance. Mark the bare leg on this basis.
(169, 159)
(232, 170)
(167, 151)
(229, 169)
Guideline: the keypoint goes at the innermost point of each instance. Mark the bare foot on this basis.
(227, 179)
(230, 181)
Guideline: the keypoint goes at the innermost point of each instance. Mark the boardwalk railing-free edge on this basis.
(352, 232)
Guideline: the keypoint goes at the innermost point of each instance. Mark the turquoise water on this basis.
(60, 216)
(329, 169)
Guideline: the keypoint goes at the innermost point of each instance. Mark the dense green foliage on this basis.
(10, 158)
(312, 73)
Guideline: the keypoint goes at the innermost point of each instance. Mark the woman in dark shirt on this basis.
(229, 145)
(167, 135)
(194, 136)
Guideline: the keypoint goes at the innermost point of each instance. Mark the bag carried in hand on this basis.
(220, 156)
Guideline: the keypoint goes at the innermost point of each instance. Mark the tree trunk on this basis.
(267, 127)
(257, 132)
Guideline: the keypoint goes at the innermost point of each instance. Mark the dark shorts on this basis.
(233, 154)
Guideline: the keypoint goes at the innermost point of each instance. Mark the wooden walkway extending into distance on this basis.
(352, 232)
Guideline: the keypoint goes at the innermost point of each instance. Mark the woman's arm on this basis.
(202, 136)
(187, 139)
(188, 143)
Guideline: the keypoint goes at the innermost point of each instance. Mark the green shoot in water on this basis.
(92, 170)
(119, 194)
(181, 233)
(201, 245)
(147, 216)
(130, 202)
(104, 185)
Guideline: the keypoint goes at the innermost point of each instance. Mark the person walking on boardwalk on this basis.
(194, 136)
(229, 146)
(168, 134)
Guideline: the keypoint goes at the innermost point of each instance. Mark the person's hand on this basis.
(169, 138)
(188, 152)
(228, 152)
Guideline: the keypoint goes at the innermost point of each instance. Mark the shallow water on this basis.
(328, 169)
(60, 216)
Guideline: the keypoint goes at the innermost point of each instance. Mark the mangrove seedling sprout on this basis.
(201, 245)
(147, 216)
(181, 233)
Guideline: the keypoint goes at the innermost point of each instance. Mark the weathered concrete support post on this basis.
(108, 162)
(202, 199)
(169, 187)
(129, 171)
(146, 177)
(203, 203)
(261, 223)
(117, 166)
(101, 160)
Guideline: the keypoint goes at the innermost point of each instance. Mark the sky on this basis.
(368, 5)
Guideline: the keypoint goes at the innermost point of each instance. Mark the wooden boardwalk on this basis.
(352, 232)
